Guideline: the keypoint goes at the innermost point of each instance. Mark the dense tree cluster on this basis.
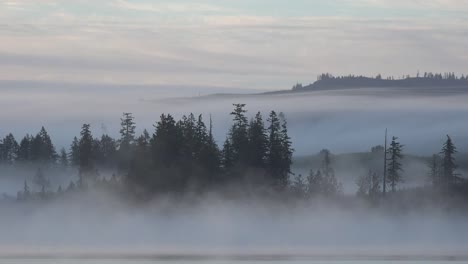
(31, 149)
(179, 156)
(427, 79)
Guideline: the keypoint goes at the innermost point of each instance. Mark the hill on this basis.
(329, 82)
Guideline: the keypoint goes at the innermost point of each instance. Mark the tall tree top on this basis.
(127, 130)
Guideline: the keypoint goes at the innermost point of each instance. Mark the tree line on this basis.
(426, 79)
(181, 156)
(176, 157)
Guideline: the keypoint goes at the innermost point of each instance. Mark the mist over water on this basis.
(103, 223)
(351, 120)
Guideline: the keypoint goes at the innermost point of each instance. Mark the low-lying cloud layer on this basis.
(99, 223)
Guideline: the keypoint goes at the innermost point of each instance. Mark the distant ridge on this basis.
(328, 81)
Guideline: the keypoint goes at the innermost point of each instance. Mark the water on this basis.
(213, 261)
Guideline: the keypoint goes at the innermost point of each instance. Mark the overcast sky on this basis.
(262, 44)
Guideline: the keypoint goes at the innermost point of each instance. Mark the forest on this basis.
(181, 157)
(426, 79)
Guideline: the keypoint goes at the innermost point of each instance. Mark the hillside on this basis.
(428, 80)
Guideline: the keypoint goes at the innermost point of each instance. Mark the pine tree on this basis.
(9, 149)
(448, 163)
(275, 151)
(239, 135)
(108, 151)
(394, 168)
(126, 142)
(286, 150)
(330, 186)
(87, 171)
(208, 156)
(166, 142)
(227, 156)
(63, 158)
(258, 142)
(127, 130)
(24, 150)
(74, 155)
(42, 149)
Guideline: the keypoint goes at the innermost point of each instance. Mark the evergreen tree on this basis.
(227, 156)
(323, 182)
(166, 142)
(63, 158)
(258, 142)
(42, 149)
(287, 150)
(208, 156)
(24, 150)
(127, 139)
(87, 171)
(127, 130)
(275, 149)
(9, 149)
(74, 155)
(108, 151)
(167, 153)
(141, 164)
(394, 168)
(448, 163)
(330, 185)
(239, 135)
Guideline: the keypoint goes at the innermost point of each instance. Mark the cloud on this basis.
(182, 7)
(436, 5)
(211, 43)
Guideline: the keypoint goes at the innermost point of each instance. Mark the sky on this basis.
(249, 44)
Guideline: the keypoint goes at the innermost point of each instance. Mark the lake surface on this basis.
(159, 261)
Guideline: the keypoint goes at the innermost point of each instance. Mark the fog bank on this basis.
(103, 223)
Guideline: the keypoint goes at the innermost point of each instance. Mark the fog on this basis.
(347, 120)
(99, 223)
(344, 121)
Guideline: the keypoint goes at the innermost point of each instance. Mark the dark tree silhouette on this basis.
(87, 170)
(448, 163)
(258, 142)
(74, 154)
(126, 142)
(394, 167)
(9, 149)
(63, 158)
(42, 149)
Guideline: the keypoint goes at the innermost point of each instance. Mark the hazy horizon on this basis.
(305, 181)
